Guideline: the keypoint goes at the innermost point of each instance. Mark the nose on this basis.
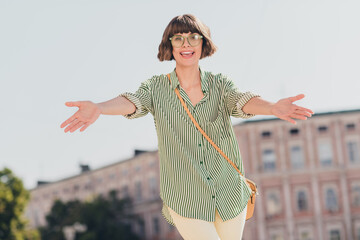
(186, 43)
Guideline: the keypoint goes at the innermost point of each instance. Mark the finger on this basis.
(73, 104)
(288, 119)
(69, 120)
(76, 126)
(302, 112)
(304, 109)
(71, 125)
(297, 97)
(85, 127)
(298, 116)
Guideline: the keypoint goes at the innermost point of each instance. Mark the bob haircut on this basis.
(184, 24)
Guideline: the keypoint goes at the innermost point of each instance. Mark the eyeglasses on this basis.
(193, 39)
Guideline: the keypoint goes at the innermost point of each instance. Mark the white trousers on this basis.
(195, 229)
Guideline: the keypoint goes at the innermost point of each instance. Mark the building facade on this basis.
(308, 176)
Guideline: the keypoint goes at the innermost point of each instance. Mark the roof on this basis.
(313, 116)
(137, 153)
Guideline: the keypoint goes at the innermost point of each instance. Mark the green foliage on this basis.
(32, 234)
(13, 200)
(104, 218)
(61, 215)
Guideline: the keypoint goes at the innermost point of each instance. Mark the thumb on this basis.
(297, 97)
(73, 104)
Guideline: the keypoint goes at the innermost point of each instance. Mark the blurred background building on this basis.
(308, 177)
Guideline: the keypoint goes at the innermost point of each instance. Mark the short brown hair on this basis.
(184, 24)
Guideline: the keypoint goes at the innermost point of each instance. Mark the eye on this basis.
(195, 37)
(178, 38)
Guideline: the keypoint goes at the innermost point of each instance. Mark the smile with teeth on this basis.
(187, 53)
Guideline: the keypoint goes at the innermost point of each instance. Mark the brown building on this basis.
(308, 177)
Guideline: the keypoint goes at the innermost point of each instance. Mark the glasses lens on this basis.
(194, 39)
(177, 41)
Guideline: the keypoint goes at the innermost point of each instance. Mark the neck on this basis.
(188, 76)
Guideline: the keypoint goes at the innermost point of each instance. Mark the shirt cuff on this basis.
(241, 103)
(135, 100)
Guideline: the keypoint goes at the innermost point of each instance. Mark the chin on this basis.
(187, 63)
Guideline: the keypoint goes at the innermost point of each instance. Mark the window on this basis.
(153, 186)
(325, 154)
(273, 204)
(152, 163)
(353, 152)
(87, 186)
(156, 225)
(297, 157)
(138, 192)
(302, 201)
(350, 126)
(141, 228)
(124, 172)
(269, 160)
(294, 131)
(305, 235)
(266, 134)
(331, 201)
(322, 129)
(124, 191)
(334, 234)
(355, 194)
(276, 236)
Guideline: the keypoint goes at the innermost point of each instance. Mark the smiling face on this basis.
(187, 55)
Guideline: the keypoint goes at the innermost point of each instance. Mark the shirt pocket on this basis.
(215, 128)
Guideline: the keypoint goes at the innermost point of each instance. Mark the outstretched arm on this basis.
(89, 112)
(284, 109)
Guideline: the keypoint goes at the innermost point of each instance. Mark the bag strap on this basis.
(202, 131)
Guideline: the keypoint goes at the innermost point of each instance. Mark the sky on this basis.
(69, 50)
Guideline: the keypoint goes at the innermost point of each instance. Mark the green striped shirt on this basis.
(194, 178)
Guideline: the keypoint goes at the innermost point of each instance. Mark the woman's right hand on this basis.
(87, 114)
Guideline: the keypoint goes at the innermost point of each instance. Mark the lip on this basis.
(187, 54)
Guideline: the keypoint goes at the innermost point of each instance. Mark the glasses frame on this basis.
(185, 37)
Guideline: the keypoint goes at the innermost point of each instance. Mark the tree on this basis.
(104, 218)
(13, 200)
(61, 215)
(108, 218)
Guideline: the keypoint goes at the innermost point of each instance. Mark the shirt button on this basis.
(208, 178)
(201, 162)
(199, 144)
(213, 196)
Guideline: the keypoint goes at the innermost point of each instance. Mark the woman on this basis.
(203, 195)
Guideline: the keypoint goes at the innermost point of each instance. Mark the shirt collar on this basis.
(175, 81)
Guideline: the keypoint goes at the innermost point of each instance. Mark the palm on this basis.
(286, 110)
(87, 114)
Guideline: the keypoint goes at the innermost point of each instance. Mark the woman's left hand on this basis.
(286, 110)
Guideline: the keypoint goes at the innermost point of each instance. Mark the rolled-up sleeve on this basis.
(142, 99)
(236, 100)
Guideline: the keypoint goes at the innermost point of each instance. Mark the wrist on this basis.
(100, 107)
(271, 108)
